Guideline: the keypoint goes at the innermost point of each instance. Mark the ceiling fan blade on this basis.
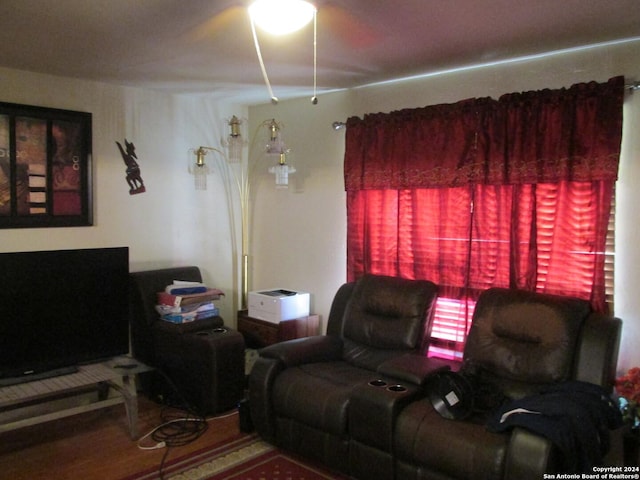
(218, 24)
(348, 27)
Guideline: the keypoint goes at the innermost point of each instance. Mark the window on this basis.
(487, 193)
(451, 324)
(536, 237)
(452, 318)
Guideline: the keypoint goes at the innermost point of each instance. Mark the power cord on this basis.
(174, 433)
(181, 424)
(177, 432)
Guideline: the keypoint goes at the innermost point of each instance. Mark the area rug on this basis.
(245, 458)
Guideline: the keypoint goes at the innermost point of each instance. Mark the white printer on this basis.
(277, 305)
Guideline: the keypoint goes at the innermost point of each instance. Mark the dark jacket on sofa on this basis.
(570, 414)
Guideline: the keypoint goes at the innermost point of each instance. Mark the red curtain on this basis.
(544, 237)
(514, 192)
(532, 137)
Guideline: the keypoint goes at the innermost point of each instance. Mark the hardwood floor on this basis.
(96, 445)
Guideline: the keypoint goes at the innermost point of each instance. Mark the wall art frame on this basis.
(45, 167)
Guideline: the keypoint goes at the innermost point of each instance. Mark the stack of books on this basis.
(183, 302)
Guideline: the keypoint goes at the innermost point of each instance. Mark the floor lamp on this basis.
(238, 172)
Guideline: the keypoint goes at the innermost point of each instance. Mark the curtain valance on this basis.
(522, 138)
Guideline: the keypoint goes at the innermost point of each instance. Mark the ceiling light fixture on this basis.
(280, 17)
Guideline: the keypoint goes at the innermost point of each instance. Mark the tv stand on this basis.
(47, 399)
(6, 382)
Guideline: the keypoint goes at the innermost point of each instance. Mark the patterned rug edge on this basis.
(235, 458)
(274, 455)
(188, 461)
(231, 458)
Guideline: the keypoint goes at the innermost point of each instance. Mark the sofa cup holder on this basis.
(391, 388)
(378, 383)
(396, 388)
(212, 331)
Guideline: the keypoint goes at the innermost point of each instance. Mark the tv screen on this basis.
(62, 308)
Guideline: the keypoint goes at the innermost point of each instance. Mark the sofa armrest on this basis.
(529, 456)
(261, 378)
(318, 348)
(597, 353)
(414, 368)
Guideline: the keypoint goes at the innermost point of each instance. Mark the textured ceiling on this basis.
(206, 46)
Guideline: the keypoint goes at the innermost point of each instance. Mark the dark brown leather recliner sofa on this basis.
(300, 390)
(359, 404)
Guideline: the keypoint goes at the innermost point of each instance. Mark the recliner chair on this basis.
(203, 359)
(300, 390)
(519, 343)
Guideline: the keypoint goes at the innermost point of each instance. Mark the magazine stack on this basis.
(183, 302)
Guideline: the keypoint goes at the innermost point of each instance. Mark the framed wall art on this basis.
(45, 167)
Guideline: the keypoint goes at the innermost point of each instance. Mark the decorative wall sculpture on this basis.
(134, 179)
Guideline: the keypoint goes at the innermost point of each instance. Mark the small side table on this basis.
(260, 333)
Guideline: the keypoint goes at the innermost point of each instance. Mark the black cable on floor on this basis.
(181, 425)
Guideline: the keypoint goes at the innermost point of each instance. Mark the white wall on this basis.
(171, 224)
(299, 235)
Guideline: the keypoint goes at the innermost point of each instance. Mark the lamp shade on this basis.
(275, 145)
(234, 142)
(280, 17)
(281, 172)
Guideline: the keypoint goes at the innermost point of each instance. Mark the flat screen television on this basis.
(60, 309)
